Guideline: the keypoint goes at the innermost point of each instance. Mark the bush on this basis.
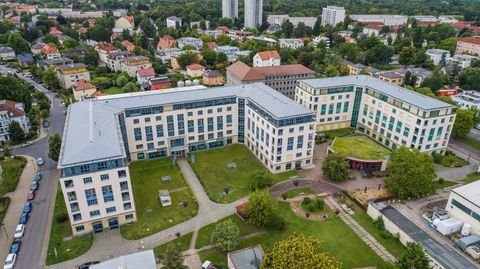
(311, 207)
(276, 222)
(284, 196)
(307, 200)
(441, 180)
(61, 217)
(319, 203)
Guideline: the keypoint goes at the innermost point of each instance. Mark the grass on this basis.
(361, 147)
(12, 170)
(295, 192)
(4, 202)
(441, 184)
(471, 178)
(113, 90)
(338, 133)
(211, 168)
(339, 240)
(474, 143)
(66, 250)
(449, 160)
(151, 216)
(183, 243)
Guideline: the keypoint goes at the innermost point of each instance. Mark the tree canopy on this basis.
(260, 208)
(54, 144)
(464, 122)
(336, 167)
(414, 257)
(226, 235)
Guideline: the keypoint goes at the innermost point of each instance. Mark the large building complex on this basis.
(389, 114)
(386, 19)
(468, 45)
(280, 19)
(101, 136)
(253, 13)
(230, 9)
(332, 15)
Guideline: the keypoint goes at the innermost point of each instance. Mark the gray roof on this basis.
(144, 260)
(5, 49)
(70, 66)
(444, 254)
(248, 258)
(405, 95)
(91, 130)
(470, 192)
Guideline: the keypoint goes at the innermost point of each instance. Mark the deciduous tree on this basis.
(225, 235)
(173, 258)
(464, 122)
(16, 132)
(260, 208)
(261, 179)
(336, 167)
(54, 144)
(414, 257)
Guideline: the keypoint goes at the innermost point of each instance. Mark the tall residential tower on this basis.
(230, 9)
(332, 15)
(253, 13)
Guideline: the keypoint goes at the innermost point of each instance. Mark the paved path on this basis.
(319, 186)
(360, 231)
(208, 212)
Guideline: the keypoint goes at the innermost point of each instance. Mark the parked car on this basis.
(34, 186)
(37, 176)
(19, 231)
(40, 161)
(87, 264)
(27, 208)
(31, 195)
(27, 75)
(28, 143)
(46, 124)
(15, 247)
(23, 219)
(10, 261)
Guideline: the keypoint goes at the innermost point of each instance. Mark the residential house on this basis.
(104, 49)
(76, 53)
(195, 70)
(50, 52)
(173, 59)
(197, 43)
(166, 42)
(45, 64)
(468, 45)
(293, 43)
(239, 35)
(55, 32)
(212, 78)
(438, 55)
(129, 46)
(145, 74)
(165, 54)
(134, 63)
(36, 48)
(463, 60)
(25, 59)
(159, 83)
(125, 23)
(194, 24)
(11, 111)
(83, 90)
(7, 53)
(266, 58)
(174, 22)
(247, 258)
(115, 60)
(232, 52)
(316, 40)
(70, 74)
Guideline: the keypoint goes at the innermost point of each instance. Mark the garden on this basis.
(360, 147)
(449, 159)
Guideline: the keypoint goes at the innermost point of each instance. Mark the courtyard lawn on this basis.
(449, 160)
(183, 243)
(146, 178)
(113, 90)
(211, 168)
(4, 202)
(443, 184)
(69, 249)
(361, 147)
(339, 240)
(338, 133)
(471, 177)
(12, 170)
(295, 192)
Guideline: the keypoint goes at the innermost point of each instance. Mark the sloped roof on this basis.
(195, 67)
(49, 49)
(472, 40)
(129, 19)
(9, 106)
(146, 72)
(266, 55)
(83, 84)
(247, 73)
(244, 72)
(108, 47)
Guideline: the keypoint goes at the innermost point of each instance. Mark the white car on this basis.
(19, 231)
(40, 161)
(10, 261)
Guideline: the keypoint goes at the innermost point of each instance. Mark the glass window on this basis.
(87, 180)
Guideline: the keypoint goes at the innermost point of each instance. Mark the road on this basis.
(35, 241)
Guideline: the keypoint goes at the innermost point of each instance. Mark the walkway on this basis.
(208, 212)
(360, 231)
(320, 187)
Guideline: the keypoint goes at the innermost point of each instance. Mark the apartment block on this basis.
(115, 60)
(280, 19)
(438, 55)
(253, 12)
(389, 114)
(11, 111)
(70, 74)
(133, 64)
(293, 43)
(468, 45)
(332, 15)
(230, 9)
(386, 19)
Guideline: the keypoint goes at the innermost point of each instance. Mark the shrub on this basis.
(307, 200)
(310, 207)
(276, 222)
(441, 180)
(61, 217)
(284, 196)
(319, 203)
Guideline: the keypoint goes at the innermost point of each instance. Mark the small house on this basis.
(165, 198)
(195, 70)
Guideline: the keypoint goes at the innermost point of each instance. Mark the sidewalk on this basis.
(15, 209)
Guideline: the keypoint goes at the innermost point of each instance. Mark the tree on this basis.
(50, 79)
(464, 122)
(425, 91)
(50, 39)
(317, 27)
(186, 58)
(411, 173)
(173, 258)
(449, 44)
(54, 144)
(16, 132)
(17, 43)
(261, 179)
(297, 251)
(435, 82)
(407, 55)
(414, 257)
(130, 87)
(469, 79)
(70, 43)
(379, 54)
(148, 28)
(91, 57)
(44, 113)
(225, 235)
(287, 28)
(260, 208)
(336, 167)
(121, 81)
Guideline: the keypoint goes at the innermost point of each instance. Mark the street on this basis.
(35, 241)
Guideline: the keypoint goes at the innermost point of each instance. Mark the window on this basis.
(107, 193)
(201, 128)
(229, 119)
(330, 109)
(125, 196)
(127, 206)
(72, 196)
(129, 217)
(104, 177)
(94, 213)
(219, 109)
(300, 142)
(147, 119)
(124, 185)
(210, 111)
(87, 180)
(158, 118)
(122, 173)
(200, 112)
(345, 106)
(290, 143)
(110, 210)
(149, 133)
(280, 132)
(136, 121)
(210, 124)
(191, 126)
(140, 156)
(91, 196)
(323, 109)
(288, 166)
(77, 217)
(137, 133)
(159, 130)
(150, 146)
(74, 207)
(140, 146)
(339, 107)
(79, 228)
(68, 183)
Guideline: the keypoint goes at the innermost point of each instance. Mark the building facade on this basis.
(266, 58)
(7, 54)
(11, 111)
(103, 135)
(386, 19)
(438, 56)
(391, 115)
(197, 43)
(69, 75)
(230, 9)
(253, 13)
(135, 63)
(293, 43)
(115, 60)
(280, 19)
(464, 204)
(332, 15)
(468, 45)
(173, 22)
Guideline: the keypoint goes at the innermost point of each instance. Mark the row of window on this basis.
(89, 180)
(189, 114)
(96, 213)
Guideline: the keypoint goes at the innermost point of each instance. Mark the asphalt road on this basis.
(35, 240)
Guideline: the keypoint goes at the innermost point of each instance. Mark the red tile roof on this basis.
(128, 45)
(146, 72)
(472, 40)
(49, 49)
(247, 73)
(9, 106)
(83, 85)
(55, 32)
(244, 72)
(98, 93)
(266, 55)
(195, 67)
(108, 47)
(129, 19)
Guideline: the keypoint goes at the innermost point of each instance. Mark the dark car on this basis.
(87, 265)
(37, 176)
(27, 208)
(15, 248)
(31, 195)
(23, 219)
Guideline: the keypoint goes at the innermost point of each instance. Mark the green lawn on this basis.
(471, 177)
(12, 170)
(445, 183)
(146, 178)
(338, 133)
(474, 143)
(450, 160)
(359, 146)
(66, 250)
(295, 192)
(183, 243)
(113, 90)
(211, 168)
(4, 202)
(339, 240)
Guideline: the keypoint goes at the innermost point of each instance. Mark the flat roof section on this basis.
(471, 192)
(397, 92)
(359, 147)
(443, 254)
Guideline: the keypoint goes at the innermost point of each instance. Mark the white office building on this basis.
(463, 60)
(387, 113)
(253, 13)
(230, 9)
(103, 135)
(467, 99)
(332, 15)
(464, 204)
(438, 55)
(386, 19)
(293, 43)
(280, 19)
